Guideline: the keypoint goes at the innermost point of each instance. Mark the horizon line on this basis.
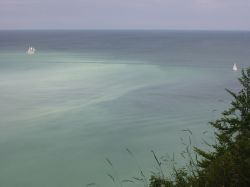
(125, 29)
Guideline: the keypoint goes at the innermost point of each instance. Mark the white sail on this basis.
(235, 67)
(31, 50)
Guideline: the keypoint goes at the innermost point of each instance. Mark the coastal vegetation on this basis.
(227, 164)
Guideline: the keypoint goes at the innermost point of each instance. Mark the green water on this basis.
(62, 113)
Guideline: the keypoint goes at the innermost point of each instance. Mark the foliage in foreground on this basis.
(228, 164)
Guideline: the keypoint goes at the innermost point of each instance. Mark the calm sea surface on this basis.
(88, 95)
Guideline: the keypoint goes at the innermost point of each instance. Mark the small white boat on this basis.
(235, 67)
(31, 50)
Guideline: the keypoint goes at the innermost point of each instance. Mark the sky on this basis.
(125, 14)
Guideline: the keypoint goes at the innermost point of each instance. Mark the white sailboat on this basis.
(31, 50)
(235, 67)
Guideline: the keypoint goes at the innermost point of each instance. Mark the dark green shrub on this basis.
(228, 164)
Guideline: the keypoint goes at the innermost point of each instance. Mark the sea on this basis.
(90, 106)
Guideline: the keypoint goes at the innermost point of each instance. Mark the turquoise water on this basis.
(88, 95)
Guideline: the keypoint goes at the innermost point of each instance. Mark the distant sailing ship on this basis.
(235, 67)
(31, 50)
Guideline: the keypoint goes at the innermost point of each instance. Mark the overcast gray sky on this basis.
(125, 14)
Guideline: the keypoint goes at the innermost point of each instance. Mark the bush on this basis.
(228, 164)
